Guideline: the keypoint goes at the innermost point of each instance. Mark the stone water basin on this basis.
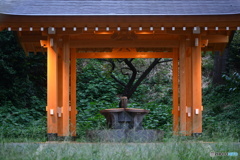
(124, 118)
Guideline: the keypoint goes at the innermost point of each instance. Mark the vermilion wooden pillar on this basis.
(197, 87)
(65, 88)
(175, 97)
(189, 91)
(60, 91)
(183, 96)
(52, 90)
(73, 96)
(190, 87)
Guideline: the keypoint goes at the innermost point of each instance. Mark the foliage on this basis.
(221, 113)
(233, 82)
(159, 117)
(157, 87)
(22, 86)
(221, 102)
(207, 68)
(130, 74)
(89, 117)
(22, 132)
(22, 76)
(96, 91)
(234, 54)
(93, 85)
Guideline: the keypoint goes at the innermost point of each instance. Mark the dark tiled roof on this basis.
(119, 7)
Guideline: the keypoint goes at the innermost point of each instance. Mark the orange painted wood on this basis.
(197, 88)
(216, 38)
(125, 55)
(175, 93)
(52, 89)
(73, 94)
(182, 58)
(31, 38)
(60, 91)
(189, 90)
(66, 89)
(109, 43)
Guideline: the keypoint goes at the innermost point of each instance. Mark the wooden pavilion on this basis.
(67, 30)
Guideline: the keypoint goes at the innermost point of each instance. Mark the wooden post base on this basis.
(67, 138)
(55, 137)
(197, 134)
(52, 136)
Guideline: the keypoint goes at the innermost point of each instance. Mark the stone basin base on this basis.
(124, 118)
(125, 135)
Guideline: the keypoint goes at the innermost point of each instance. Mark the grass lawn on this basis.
(171, 150)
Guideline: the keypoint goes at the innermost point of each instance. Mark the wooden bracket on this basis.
(51, 42)
(196, 30)
(59, 111)
(196, 42)
(204, 43)
(43, 43)
(189, 110)
(196, 111)
(51, 112)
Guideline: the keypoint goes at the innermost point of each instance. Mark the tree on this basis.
(136, 74)
(227, 62)
(234, 54)
(219, 67)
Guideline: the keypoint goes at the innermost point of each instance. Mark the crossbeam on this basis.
(123, 44)
(125, 55)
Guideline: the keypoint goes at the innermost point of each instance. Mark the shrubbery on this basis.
(222, 110)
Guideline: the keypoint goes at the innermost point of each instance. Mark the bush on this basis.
(33, 131)
(232, 82)
(221, 113)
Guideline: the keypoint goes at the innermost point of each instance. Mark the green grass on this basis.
(172, 150)
(29, 143)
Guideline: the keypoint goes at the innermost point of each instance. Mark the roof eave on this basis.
(112, 14)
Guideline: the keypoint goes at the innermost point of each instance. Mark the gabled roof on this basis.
(119, 7)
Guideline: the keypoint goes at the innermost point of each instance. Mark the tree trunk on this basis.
(220, 60)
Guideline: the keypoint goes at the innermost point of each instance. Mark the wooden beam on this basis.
(60, 91)
(52, 92)
(66, 89)
(216, 38)
(175, 111)
(189, 91)
(123, 43)
(219, 47)
(73, 94)
(32, 38)
(1, 28)
(125, 55)
(182, 57)
(197, 89)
